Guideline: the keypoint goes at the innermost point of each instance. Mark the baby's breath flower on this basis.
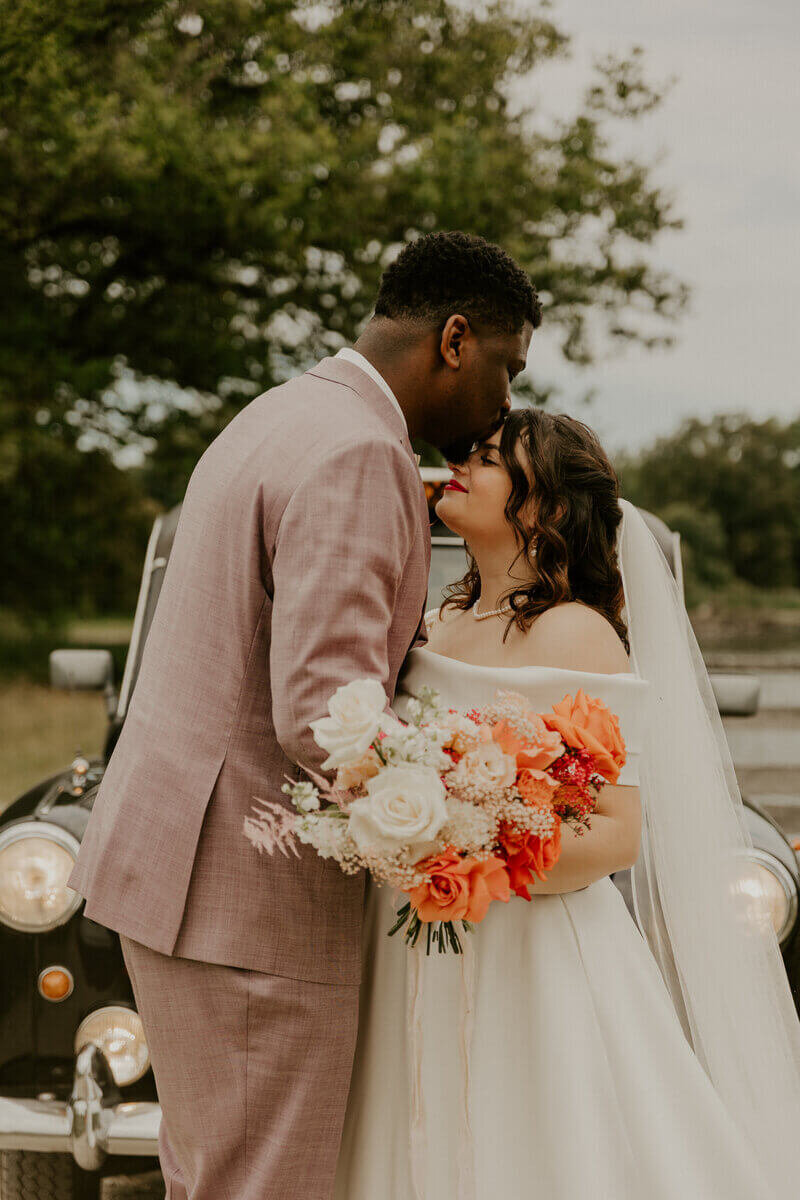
(469, 826)
(329, 836)
(516, 711)
(412, 744)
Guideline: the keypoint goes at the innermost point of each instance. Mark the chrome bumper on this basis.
(86, 1126)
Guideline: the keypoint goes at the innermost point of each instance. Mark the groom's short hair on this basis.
(442, 273)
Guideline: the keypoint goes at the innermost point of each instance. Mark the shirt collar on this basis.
(354, 356)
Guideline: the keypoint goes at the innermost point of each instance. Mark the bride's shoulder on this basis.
(576, 637)
(438, 616)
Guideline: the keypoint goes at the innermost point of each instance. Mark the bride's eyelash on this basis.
(485, 458)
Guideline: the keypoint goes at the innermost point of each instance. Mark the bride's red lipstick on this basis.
(454, 485)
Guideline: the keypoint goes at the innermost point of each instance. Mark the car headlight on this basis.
(36, 859)
(119, 1033)
(768, 890)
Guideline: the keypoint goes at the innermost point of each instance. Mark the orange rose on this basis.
(459, 889)
(537, 787)
(527, 854)
(538, 752)
(587, 724)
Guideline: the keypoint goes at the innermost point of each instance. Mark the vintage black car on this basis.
(77, 1094)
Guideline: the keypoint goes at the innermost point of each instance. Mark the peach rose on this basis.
(537, 752)
(486, 768)
(527, 854)
(352, 775)
(587, 724)
(460, 733)
(459, 889)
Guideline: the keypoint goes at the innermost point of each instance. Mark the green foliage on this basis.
(703, 542)
(731, 486)
(73, 534)
(198, 201)
(208, 195)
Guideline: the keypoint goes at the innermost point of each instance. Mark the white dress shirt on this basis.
(354, 356)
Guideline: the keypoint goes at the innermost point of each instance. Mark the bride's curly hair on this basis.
(567, 538)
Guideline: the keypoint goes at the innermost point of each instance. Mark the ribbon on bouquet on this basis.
(418, 1142)
(466, 1156)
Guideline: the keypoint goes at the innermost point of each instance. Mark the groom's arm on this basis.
(340, 551)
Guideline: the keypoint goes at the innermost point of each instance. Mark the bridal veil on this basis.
(718, 956)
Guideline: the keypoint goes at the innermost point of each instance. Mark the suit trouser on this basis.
(252, 1072)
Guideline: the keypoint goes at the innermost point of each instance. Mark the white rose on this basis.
(405, 806)
(355, 719)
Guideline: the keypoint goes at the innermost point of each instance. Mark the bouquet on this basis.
(455, 809)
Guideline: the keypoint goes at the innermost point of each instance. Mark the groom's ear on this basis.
(452, 339)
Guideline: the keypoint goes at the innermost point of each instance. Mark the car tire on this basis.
(32, 1175)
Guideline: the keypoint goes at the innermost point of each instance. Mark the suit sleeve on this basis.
(341, 547)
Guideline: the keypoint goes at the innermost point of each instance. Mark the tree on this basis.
(73, 533)
(737, 476)
(206, 193)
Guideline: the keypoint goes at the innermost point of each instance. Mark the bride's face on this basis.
(473, 503)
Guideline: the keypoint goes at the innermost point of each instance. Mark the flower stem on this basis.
(402, 916)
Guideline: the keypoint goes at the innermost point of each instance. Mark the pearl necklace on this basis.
(493, 612)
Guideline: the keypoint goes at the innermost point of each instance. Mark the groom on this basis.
(300, 562)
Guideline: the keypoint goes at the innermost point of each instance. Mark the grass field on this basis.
(41, 730)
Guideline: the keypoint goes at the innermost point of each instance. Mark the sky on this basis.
(726, 149)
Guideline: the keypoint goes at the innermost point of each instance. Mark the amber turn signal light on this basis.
(55, 983)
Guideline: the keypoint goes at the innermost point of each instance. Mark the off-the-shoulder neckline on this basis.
(459, 662)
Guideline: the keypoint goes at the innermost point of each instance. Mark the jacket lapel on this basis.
(339, 370)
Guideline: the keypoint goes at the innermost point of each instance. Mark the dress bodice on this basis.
(469, 685)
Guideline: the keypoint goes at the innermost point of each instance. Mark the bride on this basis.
(572, 1051)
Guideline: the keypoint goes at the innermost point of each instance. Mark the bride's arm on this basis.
(612, 844)
(577, 637)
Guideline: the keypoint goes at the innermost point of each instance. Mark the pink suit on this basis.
(300, 562)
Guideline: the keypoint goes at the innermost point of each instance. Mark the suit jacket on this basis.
(300, 562)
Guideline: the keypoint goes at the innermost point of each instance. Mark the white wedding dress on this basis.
(548, 1062)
